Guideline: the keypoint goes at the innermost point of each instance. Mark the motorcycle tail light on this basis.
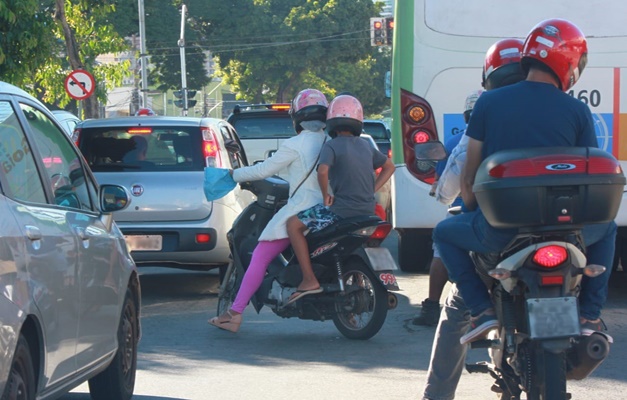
(367, 232)
(381, 232)
(549, 280)
(550, 256)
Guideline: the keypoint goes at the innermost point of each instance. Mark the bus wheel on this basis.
(414, 250)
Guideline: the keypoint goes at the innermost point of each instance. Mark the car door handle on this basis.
(33, 233)
(82, 233)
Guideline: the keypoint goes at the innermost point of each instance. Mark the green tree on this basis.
(47, 40)
(25, 40)
(268, 49)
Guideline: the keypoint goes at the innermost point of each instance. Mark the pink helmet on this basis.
(309, 105)
(345, 114)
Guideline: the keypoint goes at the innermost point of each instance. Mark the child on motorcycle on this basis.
(296, 157)
(347, 162)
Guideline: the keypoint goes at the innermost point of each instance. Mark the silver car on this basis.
(69, 290)
(161, 161)
(67, 120)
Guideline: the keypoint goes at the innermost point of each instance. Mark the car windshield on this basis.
(145, 149)
(375, 129)
(263, 127)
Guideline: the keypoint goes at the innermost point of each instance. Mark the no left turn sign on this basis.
(80, 84)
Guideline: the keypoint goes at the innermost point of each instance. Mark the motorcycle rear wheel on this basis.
(548, 382)
(361, 311)
(228, 289)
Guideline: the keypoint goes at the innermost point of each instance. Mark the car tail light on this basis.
(203, 238)
(389, 153)
(417, 126)
(140, 131)
(76, 135)
(550, 256)
(280, 107)
(211, 148)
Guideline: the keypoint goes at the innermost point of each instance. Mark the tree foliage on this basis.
(269, 49)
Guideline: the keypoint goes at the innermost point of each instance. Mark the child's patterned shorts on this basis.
(317, 217)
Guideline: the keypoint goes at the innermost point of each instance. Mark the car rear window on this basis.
(250, 127)
(141, 148)
(376, 130)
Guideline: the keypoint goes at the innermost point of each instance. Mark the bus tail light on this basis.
(417, 126)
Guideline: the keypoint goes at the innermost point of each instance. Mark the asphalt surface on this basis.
(182, 357)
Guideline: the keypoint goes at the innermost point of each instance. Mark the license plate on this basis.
(553, 317)
(381, 259)
(144, 242)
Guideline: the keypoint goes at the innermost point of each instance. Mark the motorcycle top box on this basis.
(549, 186)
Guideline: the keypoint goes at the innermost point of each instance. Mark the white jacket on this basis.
(296, 156)
(449, 184)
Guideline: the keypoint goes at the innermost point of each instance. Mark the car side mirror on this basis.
(113, 198)
(232, 146)
(430, 151)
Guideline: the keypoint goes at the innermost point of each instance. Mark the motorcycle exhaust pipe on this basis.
(392, 301)
(587, 355)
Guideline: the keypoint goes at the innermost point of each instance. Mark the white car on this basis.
(161, 161)
(67, 120)
(69, 289)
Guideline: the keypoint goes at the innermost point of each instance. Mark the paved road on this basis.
(181, 357)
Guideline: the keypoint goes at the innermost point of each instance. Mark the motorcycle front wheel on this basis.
(228, 289)
(361, 310)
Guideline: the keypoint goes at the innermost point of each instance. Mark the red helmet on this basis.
(559, 45)
(345, 114)
(145, 112)
(309, 105)
(504, 57)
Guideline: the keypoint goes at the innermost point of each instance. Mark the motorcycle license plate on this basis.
(381, 259)
(553, 317)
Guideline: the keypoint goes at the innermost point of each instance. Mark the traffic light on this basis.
(377, 31)
(389, 28)
(191, 102)
(180, 95)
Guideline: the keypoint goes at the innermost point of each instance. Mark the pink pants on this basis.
(264, 253)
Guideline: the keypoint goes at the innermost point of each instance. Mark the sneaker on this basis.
(597, 326)
(480, 326)
(429, 314)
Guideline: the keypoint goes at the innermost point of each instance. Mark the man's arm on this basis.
(323, 181)
(473, 160)
(387, 169)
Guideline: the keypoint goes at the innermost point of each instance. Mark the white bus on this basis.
(438, 52)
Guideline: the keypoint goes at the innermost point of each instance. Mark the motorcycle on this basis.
(548, 194)
(356, 275)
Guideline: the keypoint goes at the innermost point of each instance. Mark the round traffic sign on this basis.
(80, 84)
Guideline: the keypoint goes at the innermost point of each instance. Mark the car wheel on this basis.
(117, 382)
(21, 381)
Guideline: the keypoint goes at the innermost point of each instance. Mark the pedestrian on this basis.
(297, 157)
(446, 190)
(501, 68)
(347, 164)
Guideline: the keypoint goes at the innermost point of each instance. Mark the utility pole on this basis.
(142, 55)
(181, 44)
